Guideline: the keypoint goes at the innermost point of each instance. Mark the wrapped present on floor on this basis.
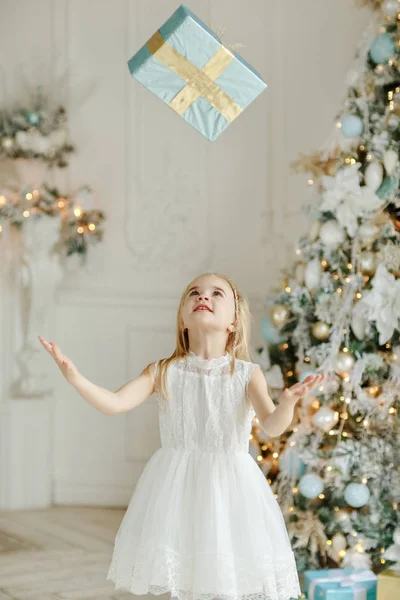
(340, 584)
(186, 65)
(389, 584)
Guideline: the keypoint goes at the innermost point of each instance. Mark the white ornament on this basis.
(312, 274)
(390, 160)
(332, 234)
(391, 8)
(344, 363)
(339, 542)
(325, 418)
(373, 175)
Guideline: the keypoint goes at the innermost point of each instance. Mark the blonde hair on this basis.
(238, 342)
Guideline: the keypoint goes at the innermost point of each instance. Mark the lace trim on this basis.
(207, 362)
(162, 570)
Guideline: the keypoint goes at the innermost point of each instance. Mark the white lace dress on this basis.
(203, 522)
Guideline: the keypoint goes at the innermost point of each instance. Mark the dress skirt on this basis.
(204, 525)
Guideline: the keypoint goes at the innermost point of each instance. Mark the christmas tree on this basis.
(335, 470)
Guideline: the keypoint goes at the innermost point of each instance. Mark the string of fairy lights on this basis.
(78, 227)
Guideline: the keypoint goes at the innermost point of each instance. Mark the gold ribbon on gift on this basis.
(199, 82)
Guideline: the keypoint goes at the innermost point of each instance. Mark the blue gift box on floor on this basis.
(185, 64)
(340, 584)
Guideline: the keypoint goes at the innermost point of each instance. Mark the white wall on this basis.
(176, 204)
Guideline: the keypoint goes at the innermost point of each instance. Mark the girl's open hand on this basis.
(66, 366)
(298, 390)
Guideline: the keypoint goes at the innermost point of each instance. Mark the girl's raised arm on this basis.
(125, 398)
(274, 420)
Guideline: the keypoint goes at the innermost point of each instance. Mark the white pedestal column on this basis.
(29, 276)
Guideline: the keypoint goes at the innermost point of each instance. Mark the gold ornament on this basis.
(367, 262)
(320, 330)
(344, 363)
(279, 314)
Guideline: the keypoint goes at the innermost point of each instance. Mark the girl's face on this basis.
(216, 296)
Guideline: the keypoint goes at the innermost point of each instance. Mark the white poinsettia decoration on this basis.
(347, 199)
(382, 303)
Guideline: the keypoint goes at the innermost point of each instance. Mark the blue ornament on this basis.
(306, 374)
(311, 485)
(33, 118)
(352, 126)
(356, 494)
(382, 48)
(387, 188)
(270, 333)
(291, 464)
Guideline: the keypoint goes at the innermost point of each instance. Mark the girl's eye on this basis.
(195, 292)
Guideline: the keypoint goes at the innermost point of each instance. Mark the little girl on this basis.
(203, 522)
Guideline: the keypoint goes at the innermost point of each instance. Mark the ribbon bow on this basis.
(220, 34)
(350, 580)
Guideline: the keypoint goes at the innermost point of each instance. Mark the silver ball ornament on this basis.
(344, 363)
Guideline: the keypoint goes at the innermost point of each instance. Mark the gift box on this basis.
(340, 584)
(186, 65)
(389, 584)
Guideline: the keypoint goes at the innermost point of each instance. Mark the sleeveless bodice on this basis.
(208, 408)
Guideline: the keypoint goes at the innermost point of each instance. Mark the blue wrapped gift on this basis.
(185, 64)
(340, 584)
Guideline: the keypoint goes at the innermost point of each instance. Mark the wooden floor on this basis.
(58, 554)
